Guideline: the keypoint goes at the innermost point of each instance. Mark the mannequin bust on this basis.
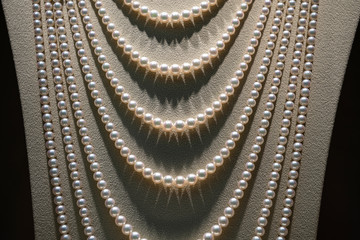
(162, 213)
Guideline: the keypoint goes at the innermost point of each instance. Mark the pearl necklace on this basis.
(54, 29)
(224, 153)
(301, 120)
(295, 74)
(153, 66)
(55, 179)
(246, 174)
(174, 17)
(190, 123)
(98, 175)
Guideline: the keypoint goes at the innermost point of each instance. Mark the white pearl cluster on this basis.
(163, 68)
(224, 153)
(279, 156)
(190, 123)
(51, 151)
(58, 43)
(57, 34)
(174, 17)
(242, 184)
(293, 174)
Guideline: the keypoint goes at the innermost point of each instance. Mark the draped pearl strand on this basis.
(224, 153)
(47, 118)
(163, 68)
(58, 43)
(174, 17)
(238, 194)
(293, 174)
(216, 229)
(190, 123)
(295, 75)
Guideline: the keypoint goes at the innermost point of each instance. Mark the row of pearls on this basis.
(290, 192)
(190, 123)
(278, 159)
(174, 17)
(224, 153)
(229, 211)
(47, 117)
(165, 69)
(256, 148)
(58, 44)
(91, 157)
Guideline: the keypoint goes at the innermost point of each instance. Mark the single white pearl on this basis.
(205, 58)
(196, 63)
(213, 52)
(201, 174)
(153, 14)
(191, 122)
(180, 181)
(120, 220)
(126, 229)
(186, 14)
(168, 125)
(191, 179)
(204, 6)
(208, 236)
(196, 11)
(139, 166)
(168, 180)
(210, 168)
(223, 221)
(157, 122)
(175, 69)
(147, 172)
(175, 16)
(164, 17)
(134, 236)
(216, 230)
(179, 125)
(157, 177)
(164, 68)
(148, 117)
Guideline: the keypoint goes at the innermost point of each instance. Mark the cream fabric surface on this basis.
(159, 214)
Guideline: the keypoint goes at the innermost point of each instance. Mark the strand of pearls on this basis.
(58, 44)
(224, 153)
(47, 117)
(229, 211)
(293, 174)
(81, 123)
(174, 17)
(178, 125)
(153, 66)
(272, 185)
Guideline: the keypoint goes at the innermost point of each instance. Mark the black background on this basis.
(339, 211)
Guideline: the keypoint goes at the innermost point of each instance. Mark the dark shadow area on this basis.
(166, 88)
(16, 193)
(339, 210)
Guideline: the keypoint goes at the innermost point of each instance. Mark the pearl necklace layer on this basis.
(153, 66)
(224, 153)
(174, 17)
(55, 28)
(234, 202)
(190, 123)
(228, 212)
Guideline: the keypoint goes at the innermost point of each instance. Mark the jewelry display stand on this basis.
(165, 213)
